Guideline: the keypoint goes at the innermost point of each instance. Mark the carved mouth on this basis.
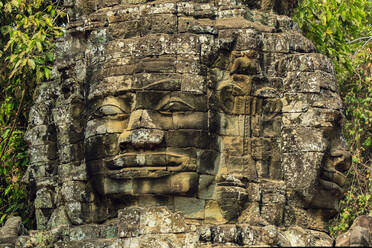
(332, 181)
(333, 176)
(140, 160)
(142, 165)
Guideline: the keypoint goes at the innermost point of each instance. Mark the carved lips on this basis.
(158, 163)
(332, 176)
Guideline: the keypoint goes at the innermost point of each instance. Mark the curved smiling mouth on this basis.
(332, 179)
(152, 164)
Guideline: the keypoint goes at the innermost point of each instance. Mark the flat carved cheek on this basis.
(196, 120)
(104, 126)
(101, 146)
(161, 121)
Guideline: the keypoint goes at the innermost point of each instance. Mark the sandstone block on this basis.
(191, 207)
(10, 231)
(359, 234)
(207, 186)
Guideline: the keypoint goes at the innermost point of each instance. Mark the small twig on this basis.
(1, 138)
(14, 125)
(361, 38)
(356, 178)
(365, 43)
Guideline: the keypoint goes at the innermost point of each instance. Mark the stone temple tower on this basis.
(200, 123)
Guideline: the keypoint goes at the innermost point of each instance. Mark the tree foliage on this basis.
(342, 29)
(28, 30)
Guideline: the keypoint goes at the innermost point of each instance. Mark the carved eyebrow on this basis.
(107, 110)
(162, 84)
(111, 105)
(111, 101)
(167, 99)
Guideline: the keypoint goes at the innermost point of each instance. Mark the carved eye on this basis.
(107, 110)
(176, 106)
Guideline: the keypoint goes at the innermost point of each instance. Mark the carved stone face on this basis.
(315, 155)
(335, 162)
(151, 134)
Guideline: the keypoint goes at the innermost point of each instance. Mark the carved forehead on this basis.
(172, 46)
(200, 8)
(180, 51)
(154, 62)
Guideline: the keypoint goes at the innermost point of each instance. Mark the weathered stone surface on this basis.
(185, 124)
(10, 231)
(160, 227)
(141, 221)
(359, 234)
(296, 236)
(191, 207)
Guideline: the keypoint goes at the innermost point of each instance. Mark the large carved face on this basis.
(150, 134)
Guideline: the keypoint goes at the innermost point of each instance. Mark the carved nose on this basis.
(141, 138)
(141, 132)
(341, 160)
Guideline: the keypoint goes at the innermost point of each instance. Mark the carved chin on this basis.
(181, 183)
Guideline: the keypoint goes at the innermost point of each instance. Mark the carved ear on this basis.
(226, 96)
(231, 201)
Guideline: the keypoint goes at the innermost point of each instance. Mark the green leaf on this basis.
(3, 218)
(39, 76)
(50, 56)
(49, 22)
(47, 73)
(31, 63)
(8, 7)
(39, 46)
(7, 190)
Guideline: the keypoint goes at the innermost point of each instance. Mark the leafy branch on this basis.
(28, 29)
